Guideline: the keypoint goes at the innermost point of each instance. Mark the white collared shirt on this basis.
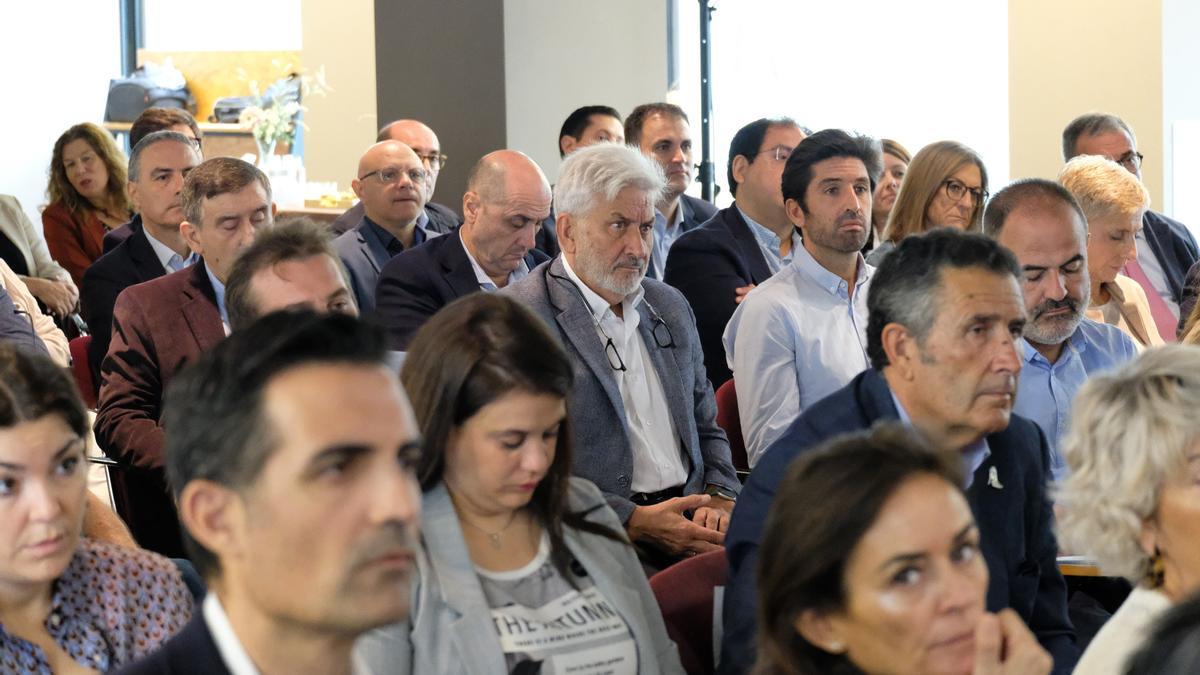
(485, 281)
(796, 338)
(665, 234)
(236, 659)
(1154, 271)
(170, 260)
(658, 461)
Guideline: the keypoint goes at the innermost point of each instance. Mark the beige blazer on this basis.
(43, 325)
(17, 227)
(1128, 309)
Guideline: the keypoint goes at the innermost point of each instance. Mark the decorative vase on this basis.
(265, 149)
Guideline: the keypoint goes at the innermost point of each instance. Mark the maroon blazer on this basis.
(158, 327)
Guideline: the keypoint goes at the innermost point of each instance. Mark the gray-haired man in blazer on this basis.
(642, 411)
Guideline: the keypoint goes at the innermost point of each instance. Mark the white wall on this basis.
(569, 53)
(59, 57)
(1181, 105)
(222, 25)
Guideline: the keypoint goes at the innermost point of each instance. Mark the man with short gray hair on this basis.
(642, 410)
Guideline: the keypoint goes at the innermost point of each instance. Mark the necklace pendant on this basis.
(495, 539)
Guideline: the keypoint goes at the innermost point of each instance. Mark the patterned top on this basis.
(111, 606)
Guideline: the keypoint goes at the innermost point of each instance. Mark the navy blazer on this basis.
(442, 219)
(191, 651)
(1015, 523)
(708, 265)
(364, 254)
(1175, 249)
(696, 212)
(414, 285)
(131, 262)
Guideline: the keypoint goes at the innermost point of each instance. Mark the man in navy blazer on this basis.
(506, 201)
(662, 132)
(946, 313)
(718, 263)
(390, 185)
(1166, 249)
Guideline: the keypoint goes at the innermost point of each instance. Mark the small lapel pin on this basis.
(994, 478)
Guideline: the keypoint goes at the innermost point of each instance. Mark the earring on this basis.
(1155, 570)
(835, 648)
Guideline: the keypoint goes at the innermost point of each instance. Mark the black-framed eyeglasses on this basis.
(955, 191)
(659, 330)
(391, 174)
(434, 161)
(779, 153)
(1132, 161)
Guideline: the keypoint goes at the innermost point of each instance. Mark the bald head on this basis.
(507, 199)
(396, 204)
(418, 136)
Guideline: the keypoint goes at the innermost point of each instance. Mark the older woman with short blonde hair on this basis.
(1113, 201)
(1132, 500)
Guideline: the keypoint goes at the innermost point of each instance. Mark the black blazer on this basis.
(131, 262)
(707, 265)
(191, 651)
(1174, 247)
(414, 285)
(441, 218)
(1015, 522)
(695, 213)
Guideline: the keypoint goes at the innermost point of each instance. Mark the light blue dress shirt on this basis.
(796, 338)
(769, 242)
(171, 261)
(664, 236)
(974, 455)
(1045, 390)
(219, 291)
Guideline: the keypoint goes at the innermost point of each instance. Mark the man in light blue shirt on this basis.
(801, 335)
(1043, 225)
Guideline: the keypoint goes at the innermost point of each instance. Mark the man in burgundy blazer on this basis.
(159, 327)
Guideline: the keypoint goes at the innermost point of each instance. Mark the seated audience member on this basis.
(42, 323)
(895, 164)
(849, 585)
(642, 413)
(802, 335)
(158, 165)
(509, 536)
(16, 327)
(1173, 645)
(662, 133)
(583, 127)
(391, 187)
(302, 513)
(150, 121)
(1041, 223)
(1166, 249)
(718, 263)
(161, 325)
(290, 266)
(422, 140)
(1113, 202)
(946, 185)
(69, 604)
(1129, 502)
(506, 200)
(87, 197)
(24, 249)
(945, 316)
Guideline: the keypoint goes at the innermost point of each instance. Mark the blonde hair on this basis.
(1103, 188)
(929, 169)
(1130, 433)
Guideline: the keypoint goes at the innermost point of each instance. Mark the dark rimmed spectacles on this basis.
(955, 191)
(434, 161)
(1132, 161)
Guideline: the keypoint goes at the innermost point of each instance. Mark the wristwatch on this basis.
(718, 491)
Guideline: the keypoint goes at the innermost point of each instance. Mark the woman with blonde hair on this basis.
(87, 196)
(1114, 201)
(895, 164)
(945, 186)
(1132, 500)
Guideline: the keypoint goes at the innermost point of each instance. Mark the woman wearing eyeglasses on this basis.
(523, 568)
(945, 186)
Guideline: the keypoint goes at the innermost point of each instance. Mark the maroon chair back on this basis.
(685, 596)
(729, 420)
(83, 370)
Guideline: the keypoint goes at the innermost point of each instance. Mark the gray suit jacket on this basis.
(603, 452)
(450, 625)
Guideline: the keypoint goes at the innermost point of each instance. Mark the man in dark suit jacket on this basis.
(506, 201)
(661, 131)
(160, 326)
(718, 263)
(952, 376)
(317, 438)
(157, 167)
(394, 218)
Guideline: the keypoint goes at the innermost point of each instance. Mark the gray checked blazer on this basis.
(450, 629)
(603, 452)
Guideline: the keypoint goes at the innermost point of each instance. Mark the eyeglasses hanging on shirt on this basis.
(659, 329)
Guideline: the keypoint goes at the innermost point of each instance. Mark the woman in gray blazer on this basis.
(24, 249)
(522, 568)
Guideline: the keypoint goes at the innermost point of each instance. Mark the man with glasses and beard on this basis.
(1040, 222)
